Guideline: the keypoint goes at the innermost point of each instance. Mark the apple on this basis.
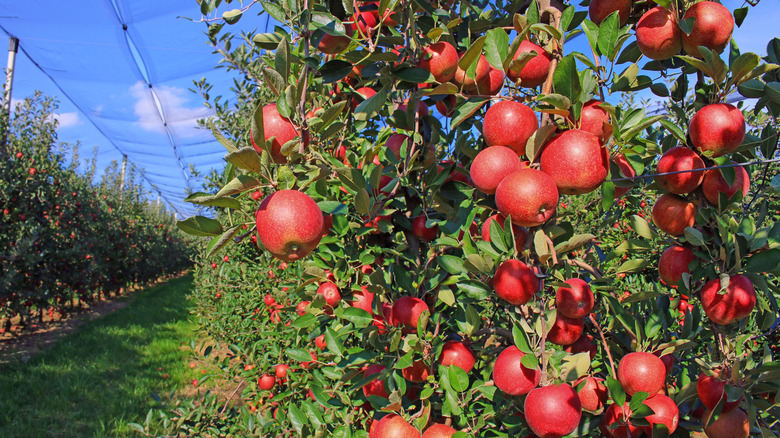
(333, 44)
(711, 389)
(595, 119)
(365, 93)
(289, 224)
(667, 359)
(585, 344)
(422, 108)
(491, 165)
(319, 341)
(456, 353)
(534, 72)
(446, 106)
(374, 387)
(529, 196)
(712, 28)
(641, 371)
(330, 292)
(733, 424)
(515, 282)
(511, 376)
(665, 411)
(576, 161)
(441, 60)
(492, 83)
(627, 171)
(300, 309)
(621, 417)
(673, 214)
(422, 232)
(737, 303)
(469, 84)
(366, 22)
(394, 426)
(520, 233)
(266, 382)
(407, 311)
(679, 159)
(674, 263)
(714, 184)
(418, 372)
(575, 301)
(269, 300)
(553, 411)
(600, 9)
(593, 393)
(565, 331)
(274, 125)
(509, 123)
(438, 430)
(658, 34)
(280, 371)
(363, 299)
(718, 128)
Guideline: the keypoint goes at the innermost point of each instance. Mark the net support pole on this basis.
(122, 175)
(13, 49)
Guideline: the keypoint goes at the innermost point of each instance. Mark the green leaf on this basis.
(334, 71)
(200, 226)
(694, 237)
(497, 47)
(232, 16)
(451, 264)
(297, 418)
(268, 41)
(753, 89)
(282, 58)
(213, 201)
(537, 140)
(471, 56)
(765, 261)
(356, 316)
(333, 342)
(591, 30)
(239, 184)
(566, 80)
(275, 11)
(474, 289)
(220, 242)
(362, 202)
(739, 15)
(520, 338)
(608, 33)
(630, 54)
(221, 138)
(371, 106)
(616, 391)
(459, 380)
(245, 158)
(306, 321)
(530, 361)
(333, 207)
(631, 266)
(686, 25)
(414, 75)
(298, 354)
(556, 100)
(466, 110)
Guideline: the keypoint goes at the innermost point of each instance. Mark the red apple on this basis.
(679, 159)
(534, 72)
(333, 44)
(511, 124)
(363, 299)
(456, 353)
(575, 301)
(521, 234)
(595, 120)
(469, 84)
(330, 292)
(565, 331)
(641, 371)
(394, 426)
(552, 411)
(281, 372)
(712, 28)
(711, 389)
(407, 311)
(446, 106)
(366, 22)
(737, 303)
(510, 376)
(658, 34)
(585, 344)
(734, 424)
(515, 282)
(376, 386)
(300, 309)
(674, 263)
(319, 342)
(529, 196)
(441, 60)
(593, 393)
(665, 411)
(627, 171)
(289, 224)
(491, 165)
(424, 233)
(437, 430)
(600, 9)
(673, 214)
(719, 128)
(576, 161)
(492, 83)
(418, 372)
(714, 183)
(266, 382)
(365, 93)
(621, 417)
(274, 125)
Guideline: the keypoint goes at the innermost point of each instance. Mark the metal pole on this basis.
(13, 49)
(122, 175)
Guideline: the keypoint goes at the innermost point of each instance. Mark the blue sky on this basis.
(88, 54)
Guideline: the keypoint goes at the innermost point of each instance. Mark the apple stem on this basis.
(555, 17)
(604, 343)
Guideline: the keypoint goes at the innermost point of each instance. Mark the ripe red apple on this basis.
(565, 331)
(534, 72)
(641, 371)
(376, 386)
(714, 183)
(289, 224)
(552, 411)
(521, 234)
(365, 93)
(511, 124)
(529, 196)
(510, 376)
(620, 416)
(595, 120)
(719, 128)
(266, 382)
(418, 372)
(586, 343)
(593, 394)
(673, 214)
(575, 301)
(600, 9)
(515, 282)
(394, 426)
(733, 424)
(441, 60)
(363, 299)
(281, 372)
(576, 161)
(665, 411)
(678, 159)
(438, 430)
(627, 171)
(407, 311)
(712, 28)
(446, 106)
(333, 44)
(492, 83)
(711, 389)
(674, 263)
(330, 292)
(456, 353)
(424, 233)
(300, 309)
(667, 359)
(658, 35)
(319, 342)
(491, 165)
(469, 84)
(737, 303)
(365, 22)
(274, 125)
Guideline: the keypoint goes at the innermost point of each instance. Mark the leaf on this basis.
(282, 58)
(520, 338)
(574, 242)
(200, 226)
(616, 391)
(239, 184)
(557, 100)
(221, 138)
(451, 264)
(297, 418)
(631, 266)
(414, 75)
(333, 342)
(244, 158)
(275, 11)
(474, 289)
(537, 140)
(765, 261)
(739, 15)
(566, 80)
(530, 361)
(608, 33)
(268, 41)
(213, 201)
(220, 242)
(694, 237)
(333, 207)
(334, 71)
(362, 202)
(466, 110)
(497, 47)
(744, 65)
(371, 106)
(752, 89)
(232, 16)
(298, 354)
(642, 227)
(458, 378)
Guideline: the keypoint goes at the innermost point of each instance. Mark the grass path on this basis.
(95, 381)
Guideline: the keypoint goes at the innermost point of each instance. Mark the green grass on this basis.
(96, 380)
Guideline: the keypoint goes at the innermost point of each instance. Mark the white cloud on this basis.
(180, 118)
(66, 120)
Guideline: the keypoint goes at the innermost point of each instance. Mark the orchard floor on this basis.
(96, 380)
